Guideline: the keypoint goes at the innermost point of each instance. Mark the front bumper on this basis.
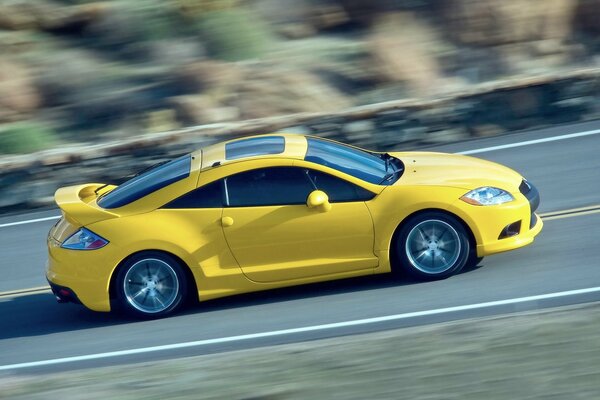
(530, 224)
(524, 238)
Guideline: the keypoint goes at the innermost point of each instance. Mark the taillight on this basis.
(84, 239)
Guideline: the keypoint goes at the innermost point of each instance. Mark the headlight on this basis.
(487, 196)
(84, 239)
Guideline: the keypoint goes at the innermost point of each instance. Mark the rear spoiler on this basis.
(77, 204)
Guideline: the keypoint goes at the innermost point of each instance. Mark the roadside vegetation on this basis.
(551, 354)
(88, 71)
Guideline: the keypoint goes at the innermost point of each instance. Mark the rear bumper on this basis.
(64, 294)
(80, 274)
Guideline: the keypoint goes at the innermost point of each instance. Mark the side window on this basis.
(338, 189)
(207, 196)
(268, 187)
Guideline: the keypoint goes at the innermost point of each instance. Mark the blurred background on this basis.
(77, 71)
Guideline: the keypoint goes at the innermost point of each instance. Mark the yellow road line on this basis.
(25, 292)
(573, 212)
(570, 215)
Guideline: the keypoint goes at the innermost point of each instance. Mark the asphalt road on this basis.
(563, 258)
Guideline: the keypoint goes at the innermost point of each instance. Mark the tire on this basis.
(430, 246)
(150, 285)
(473, 261)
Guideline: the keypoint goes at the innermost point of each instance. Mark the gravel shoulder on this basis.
(550, 354)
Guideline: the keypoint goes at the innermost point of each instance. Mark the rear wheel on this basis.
(431, 245)
(150, 285)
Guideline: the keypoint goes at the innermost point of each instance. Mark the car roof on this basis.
(294, 147)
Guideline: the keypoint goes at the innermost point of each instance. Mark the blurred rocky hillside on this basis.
(83, 71)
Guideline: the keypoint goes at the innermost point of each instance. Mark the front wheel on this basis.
(150, 285)
(431, 246)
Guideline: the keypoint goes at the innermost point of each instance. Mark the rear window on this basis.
(147, 182)
(254, 147)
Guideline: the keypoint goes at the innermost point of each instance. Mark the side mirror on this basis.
(319, 200)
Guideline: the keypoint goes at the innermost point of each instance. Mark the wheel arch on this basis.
(191, 281)
(392, 248)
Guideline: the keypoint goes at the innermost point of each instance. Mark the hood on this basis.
(454, 170)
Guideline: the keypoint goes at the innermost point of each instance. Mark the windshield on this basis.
(147, 182)
(371, 167)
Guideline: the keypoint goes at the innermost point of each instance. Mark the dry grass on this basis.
(546, 355)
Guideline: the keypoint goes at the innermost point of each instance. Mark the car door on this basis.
(196, 221)
(275, 237)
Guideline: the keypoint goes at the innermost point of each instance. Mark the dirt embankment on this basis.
(78, 70)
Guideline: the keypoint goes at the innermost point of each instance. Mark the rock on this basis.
(16, 42)
(296, 30)
(16, 16)
(525, 102)
(359, 127)
(283, 13)
(324, 16)
(71, 19)
(444, 136)
(161, 121)
(49, 16)
(486, 130)
(18, 94)
(208, 75)
(401, 47)
(492, 22)
(299, 129)
(586, 16)
(330, 127)
(202, 109)
(359, 132)
(269, 90)
(366, 12)
(41, 191)
(412, 134)
(178, 51)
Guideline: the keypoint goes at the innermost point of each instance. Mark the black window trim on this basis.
(225, 192)
(305, 172)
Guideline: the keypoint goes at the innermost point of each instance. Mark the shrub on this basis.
(128, 22)
(25, 137)
(233, 34)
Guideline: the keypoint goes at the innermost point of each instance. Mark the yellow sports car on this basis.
(280, 210)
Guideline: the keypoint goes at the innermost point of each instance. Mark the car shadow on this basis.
(313, 290)
(364, 283)
(40, 314)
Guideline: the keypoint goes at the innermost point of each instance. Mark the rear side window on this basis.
(254, 147)
(207, 196)
(147, 182)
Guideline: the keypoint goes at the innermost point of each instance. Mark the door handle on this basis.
(226, 221)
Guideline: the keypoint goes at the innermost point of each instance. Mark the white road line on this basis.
(476, 151)
(304, 329)
(530, 142)
(30, 221)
